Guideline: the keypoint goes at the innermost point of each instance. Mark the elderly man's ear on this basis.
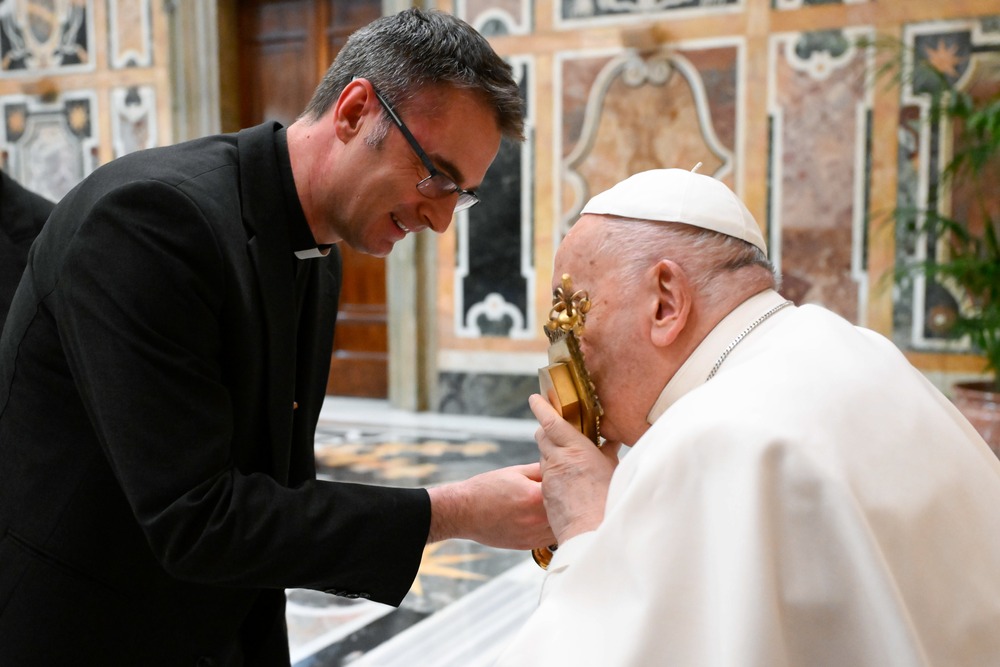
(674, 295)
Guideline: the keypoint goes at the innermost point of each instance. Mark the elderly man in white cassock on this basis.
(796, 493)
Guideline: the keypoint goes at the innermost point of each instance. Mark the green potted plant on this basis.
(959, 227)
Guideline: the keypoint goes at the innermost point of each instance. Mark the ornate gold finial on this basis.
(569, 309)
(565, 381)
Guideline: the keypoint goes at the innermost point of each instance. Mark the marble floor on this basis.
(467, 599)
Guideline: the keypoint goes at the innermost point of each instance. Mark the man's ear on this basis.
(350, 108)
(674, 296)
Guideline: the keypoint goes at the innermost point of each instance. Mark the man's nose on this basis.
(440, 213)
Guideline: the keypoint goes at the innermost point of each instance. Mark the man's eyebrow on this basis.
(449, 169)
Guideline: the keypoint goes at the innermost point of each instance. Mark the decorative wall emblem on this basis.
(494, 316)
(950, 53)
(133, 119)
(494, 18)
(820, 53)
(50, 146)
(41, 36)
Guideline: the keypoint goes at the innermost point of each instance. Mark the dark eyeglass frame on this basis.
(437, 184)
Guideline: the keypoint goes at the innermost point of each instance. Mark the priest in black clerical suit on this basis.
(165, 360)
(187, 292)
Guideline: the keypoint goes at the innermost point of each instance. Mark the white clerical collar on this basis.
(313, 253)
(699, 365)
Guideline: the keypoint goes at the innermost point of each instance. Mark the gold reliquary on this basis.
(565, 381)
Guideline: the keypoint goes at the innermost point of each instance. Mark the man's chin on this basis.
(380, 250)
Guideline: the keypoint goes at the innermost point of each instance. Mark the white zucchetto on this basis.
(676, 195)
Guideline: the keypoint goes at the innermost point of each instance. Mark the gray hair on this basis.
(704, 255)
(403, 53)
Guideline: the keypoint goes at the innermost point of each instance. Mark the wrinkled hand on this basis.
(500, 508)
(575, 474)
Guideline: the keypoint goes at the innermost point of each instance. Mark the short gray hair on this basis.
(414, 49)
(704, 255)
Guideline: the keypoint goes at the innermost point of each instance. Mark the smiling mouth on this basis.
(402, 227)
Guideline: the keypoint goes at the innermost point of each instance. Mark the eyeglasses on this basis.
(437, 185)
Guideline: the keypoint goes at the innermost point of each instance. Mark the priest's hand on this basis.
(500, 508)
(575, 474)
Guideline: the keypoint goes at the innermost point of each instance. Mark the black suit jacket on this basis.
(157, 488)
(22, 214)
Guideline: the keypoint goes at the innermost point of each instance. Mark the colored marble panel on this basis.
(38, 36)
(493, 276)
(576, 10)
(818, 190)
(717, 68)
(967, 55)
(494, 18)
(579, 74)
(629, 113)
(130, 33)
(966, 205)
(799, 4)
(492, 395)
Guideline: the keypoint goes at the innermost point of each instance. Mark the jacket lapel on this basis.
(270, 254)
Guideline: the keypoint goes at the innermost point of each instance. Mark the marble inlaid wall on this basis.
(50, 146)
(81, 82)
(777, 99)
(626, 112)
(819, 108)
(129, 33)
(498, 17)
(967, 53)
(799, 4)
(494, 279)
(574, 11)
(133, 119)
(46, 37)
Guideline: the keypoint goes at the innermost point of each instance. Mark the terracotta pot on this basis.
(980, 403)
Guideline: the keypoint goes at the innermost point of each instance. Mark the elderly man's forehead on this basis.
(578, 255)
(584, 236)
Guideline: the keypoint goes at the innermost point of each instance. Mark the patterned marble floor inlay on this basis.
(467, 598)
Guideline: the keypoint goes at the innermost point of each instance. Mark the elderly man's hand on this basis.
(575, 473)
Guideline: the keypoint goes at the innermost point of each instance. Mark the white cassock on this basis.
(817, 502)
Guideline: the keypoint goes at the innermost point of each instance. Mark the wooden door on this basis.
(285, 48)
